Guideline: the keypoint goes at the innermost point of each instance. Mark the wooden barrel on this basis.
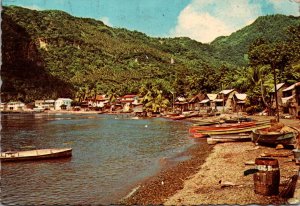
(266, 180)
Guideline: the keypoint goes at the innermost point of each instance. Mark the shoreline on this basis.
(155, 189)
(196, 181)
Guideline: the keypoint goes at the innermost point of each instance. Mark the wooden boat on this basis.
(200, 134)
(214, 139)
(272, 138)
(236, 120)
(234, 130)
(203, 123)
(179, 117)
(194, 129)
(35, 154)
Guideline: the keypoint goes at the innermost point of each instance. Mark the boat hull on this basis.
(272, 138)
(35, 155)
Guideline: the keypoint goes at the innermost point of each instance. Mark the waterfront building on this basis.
(45, 104)
(128, 101)
(13, 106)
(63, 104)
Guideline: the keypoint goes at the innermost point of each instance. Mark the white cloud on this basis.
(106, 21)
(287, 7)
(205, 20)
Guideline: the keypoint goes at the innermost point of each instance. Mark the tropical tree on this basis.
(153, 97)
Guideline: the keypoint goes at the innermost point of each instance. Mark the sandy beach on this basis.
(199, 180)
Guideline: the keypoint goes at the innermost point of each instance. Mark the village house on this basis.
(224, 100)
(128, 101)
(239, 101)
(279, 88)
(100, 101)
(194, 103)
(180, 104)
(208, 103)
(291, 100)
(12, 106)
(63, 104)
(45, 104)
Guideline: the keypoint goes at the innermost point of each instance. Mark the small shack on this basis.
(181, 104)
(194, 103)
(279, 88)
(291, 100)
(224, 100)
(208, 103)
(239, 101)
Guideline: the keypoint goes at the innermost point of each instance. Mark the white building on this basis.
(63, 104)
(45, 104)
(14, 106)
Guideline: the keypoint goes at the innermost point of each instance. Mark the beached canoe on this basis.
(272, 138)
(203, 123)
(233, 130)
(35, 154)
(194, 129)
(179, 117)
(228, 138)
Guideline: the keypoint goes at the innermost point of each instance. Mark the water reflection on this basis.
(110, 153)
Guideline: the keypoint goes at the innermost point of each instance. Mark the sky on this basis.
(201, 20)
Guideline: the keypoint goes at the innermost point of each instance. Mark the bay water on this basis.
(111, 153)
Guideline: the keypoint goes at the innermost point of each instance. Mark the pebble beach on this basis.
(214, 175)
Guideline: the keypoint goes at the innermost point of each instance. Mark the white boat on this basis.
(35, 154)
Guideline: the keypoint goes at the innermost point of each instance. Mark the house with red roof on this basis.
(100, 101)
(129, 101)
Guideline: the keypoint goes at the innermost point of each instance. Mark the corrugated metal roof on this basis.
(292, 87)
(181, 99)
(278, 86)
(241, 97)
(227, 91)
(64, 99)
(204, 101)
(212, 96)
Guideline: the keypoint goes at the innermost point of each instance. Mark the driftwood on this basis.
(277, 154)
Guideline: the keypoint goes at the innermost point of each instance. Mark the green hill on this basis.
(50, 54)
(234, 48)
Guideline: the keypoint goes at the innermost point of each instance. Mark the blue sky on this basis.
(202, 20)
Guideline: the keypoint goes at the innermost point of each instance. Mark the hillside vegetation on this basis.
(50, 54)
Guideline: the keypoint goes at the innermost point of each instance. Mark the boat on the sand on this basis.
(194, 129)
(273, 138)
(38, 154)
(205, 133)
(242, 137)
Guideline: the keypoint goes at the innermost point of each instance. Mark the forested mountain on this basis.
(50, 54)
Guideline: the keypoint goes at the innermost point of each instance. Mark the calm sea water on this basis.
(110, 154)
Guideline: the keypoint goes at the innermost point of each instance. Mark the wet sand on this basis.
(156, 189)
(197, 180)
